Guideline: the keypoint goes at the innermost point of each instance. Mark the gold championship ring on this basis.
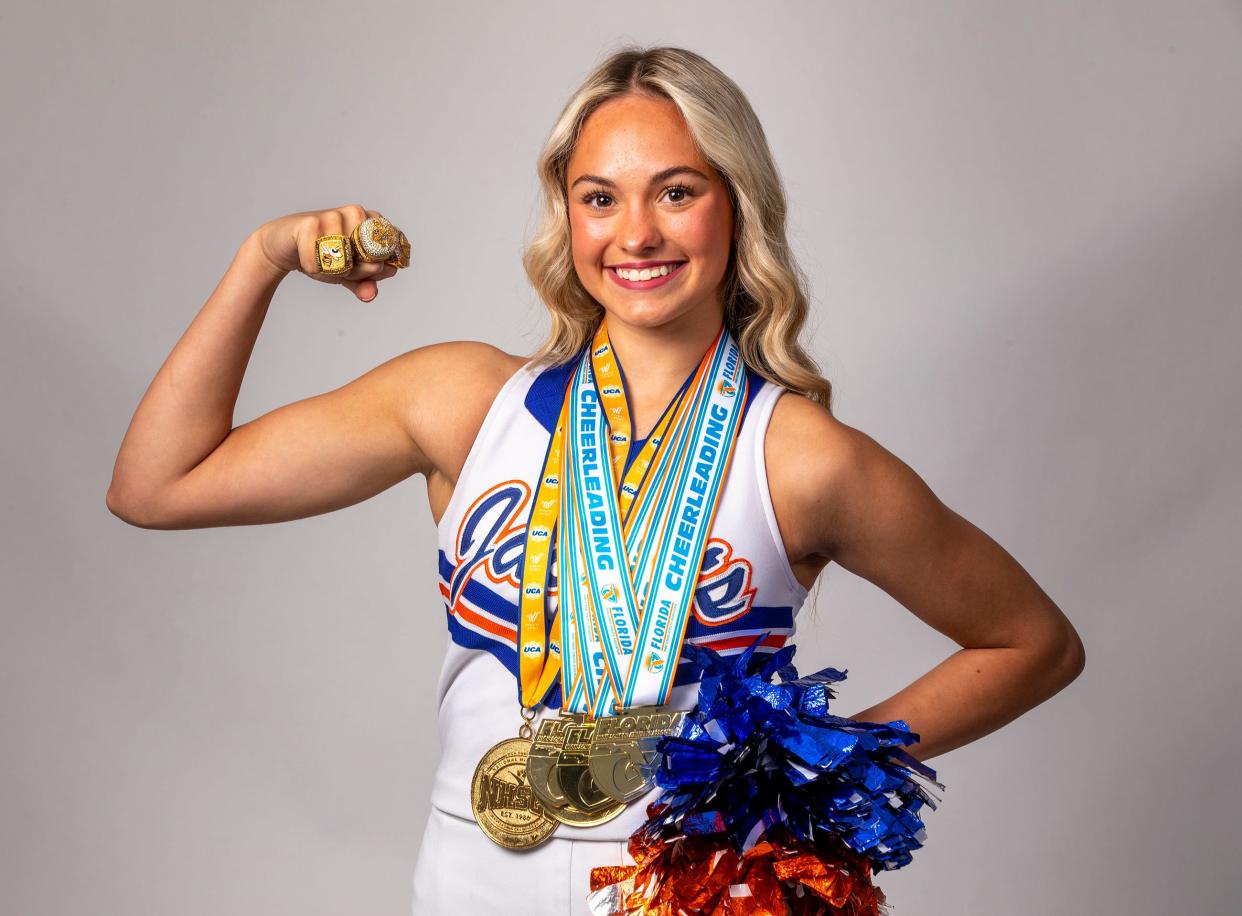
(375, 239)
(402, 257)
(334, 254)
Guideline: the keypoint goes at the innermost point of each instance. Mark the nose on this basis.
(639, 230)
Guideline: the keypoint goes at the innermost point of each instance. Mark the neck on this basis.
(657, 360)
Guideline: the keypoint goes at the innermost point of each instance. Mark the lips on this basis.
(674, 272)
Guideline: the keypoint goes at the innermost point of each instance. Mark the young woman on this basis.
(663, 261)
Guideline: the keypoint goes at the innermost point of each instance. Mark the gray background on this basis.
(1023, 228)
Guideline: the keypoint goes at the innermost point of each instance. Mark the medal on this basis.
(623, 750)
(541, 763)
(502, 801)
(588, 805)
(558, 769)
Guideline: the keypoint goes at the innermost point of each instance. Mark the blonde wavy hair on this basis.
(765, 292)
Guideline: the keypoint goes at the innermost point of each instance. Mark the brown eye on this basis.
(679, 189)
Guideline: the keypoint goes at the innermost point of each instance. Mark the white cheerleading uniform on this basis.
(745, 589)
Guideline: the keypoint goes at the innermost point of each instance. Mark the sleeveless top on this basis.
(745, 588)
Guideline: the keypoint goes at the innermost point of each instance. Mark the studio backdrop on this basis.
(1022, 229)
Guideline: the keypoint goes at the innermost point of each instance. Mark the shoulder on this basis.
(462, 371)
(449, 361)
(446, 391)
(807, 447)
(826, 478)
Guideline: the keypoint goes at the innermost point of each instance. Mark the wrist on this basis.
(252, 256)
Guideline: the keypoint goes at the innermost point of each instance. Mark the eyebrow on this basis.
(655, 179)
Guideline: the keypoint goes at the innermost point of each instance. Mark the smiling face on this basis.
(641, 196)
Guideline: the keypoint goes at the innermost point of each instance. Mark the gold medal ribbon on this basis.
(539, 647)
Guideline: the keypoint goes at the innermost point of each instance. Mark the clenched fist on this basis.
(288, 244)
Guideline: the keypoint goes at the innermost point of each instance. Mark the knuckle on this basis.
(308, 257)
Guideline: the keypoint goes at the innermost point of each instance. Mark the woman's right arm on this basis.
(182, 464)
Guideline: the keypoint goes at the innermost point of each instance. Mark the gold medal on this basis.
(587, 804)
(541, 765)
(623, 758)
(502, 801)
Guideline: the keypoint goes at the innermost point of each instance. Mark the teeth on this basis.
(646, 273)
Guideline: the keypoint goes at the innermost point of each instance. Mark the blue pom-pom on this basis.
(755, 752)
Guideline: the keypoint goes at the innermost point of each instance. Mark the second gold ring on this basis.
(375, 239)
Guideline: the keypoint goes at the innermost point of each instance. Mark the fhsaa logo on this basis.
(726, 388)
(655, 663)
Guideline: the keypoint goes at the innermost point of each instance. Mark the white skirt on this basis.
(461, 872)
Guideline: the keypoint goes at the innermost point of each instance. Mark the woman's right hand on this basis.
(288, 244)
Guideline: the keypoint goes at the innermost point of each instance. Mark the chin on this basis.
(650, 314)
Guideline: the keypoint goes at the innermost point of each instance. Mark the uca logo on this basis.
(491, 540)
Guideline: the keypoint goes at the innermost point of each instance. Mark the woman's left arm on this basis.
(847, 499)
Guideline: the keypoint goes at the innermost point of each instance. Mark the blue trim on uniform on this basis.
(547, 393)
(481, 596)
(757, 617)
(469, 639)
(754, 381)
(636, 446)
